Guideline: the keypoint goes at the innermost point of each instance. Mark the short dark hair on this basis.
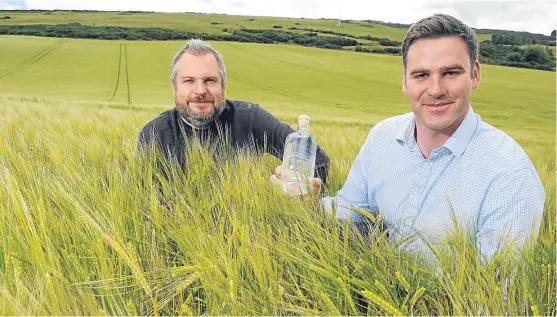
(440, 25)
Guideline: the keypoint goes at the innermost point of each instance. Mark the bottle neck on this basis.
(303, 129)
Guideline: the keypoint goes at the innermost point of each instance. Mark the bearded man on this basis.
(198, 80)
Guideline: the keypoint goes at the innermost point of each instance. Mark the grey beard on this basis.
(200, 121)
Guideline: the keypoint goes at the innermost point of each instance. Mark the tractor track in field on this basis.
(122, 63)
(117, 75)
(127, 74)
(37, 57)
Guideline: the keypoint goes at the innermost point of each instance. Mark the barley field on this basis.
(89, 227)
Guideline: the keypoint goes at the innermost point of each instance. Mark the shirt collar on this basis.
(405, 133)
(456, 143)
(460, 139)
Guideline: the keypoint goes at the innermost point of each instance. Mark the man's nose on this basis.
(437, 87)
(199, 87)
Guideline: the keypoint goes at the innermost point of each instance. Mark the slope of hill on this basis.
(203, 23)
(499, 47)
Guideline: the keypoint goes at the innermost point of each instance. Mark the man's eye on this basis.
(451, 73)
(188, 81)
(211, 80)
(420, 76)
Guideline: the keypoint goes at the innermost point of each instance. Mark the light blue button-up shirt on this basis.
(480, 177)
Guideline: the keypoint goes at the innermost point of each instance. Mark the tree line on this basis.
(381, 40)
(491, 52)
(532, 56)
(521, 40)
(77, 30)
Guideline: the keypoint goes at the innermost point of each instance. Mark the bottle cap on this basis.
(303, 118)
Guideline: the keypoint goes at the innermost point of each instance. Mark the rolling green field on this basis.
(83, 231)
(195, 22)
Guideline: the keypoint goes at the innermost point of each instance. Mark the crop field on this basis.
(84, 231)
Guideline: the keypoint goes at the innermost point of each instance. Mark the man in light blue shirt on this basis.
(441, 162)
(480, 176)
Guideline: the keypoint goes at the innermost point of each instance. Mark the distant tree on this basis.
(495, 38)
(535, 55)
(515, 57)
(387, 42)
(554, 34)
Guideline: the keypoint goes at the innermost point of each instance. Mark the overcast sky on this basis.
(537, 16)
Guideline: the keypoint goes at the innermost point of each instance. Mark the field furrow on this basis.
(117, 74)
(127, 74)
(37, 57)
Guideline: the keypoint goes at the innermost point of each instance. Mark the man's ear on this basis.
(404, 88)
(476, 76)
(173, 85)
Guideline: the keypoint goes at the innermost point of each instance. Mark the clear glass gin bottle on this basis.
(298, 162)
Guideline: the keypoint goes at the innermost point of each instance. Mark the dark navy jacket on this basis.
(241, 126)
